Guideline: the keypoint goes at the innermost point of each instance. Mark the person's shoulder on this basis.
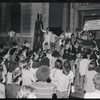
(2, 85)
(34, 84)
(52, 84)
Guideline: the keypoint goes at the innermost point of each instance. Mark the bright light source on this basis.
(93, 14)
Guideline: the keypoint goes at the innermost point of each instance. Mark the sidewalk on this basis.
(78, 93)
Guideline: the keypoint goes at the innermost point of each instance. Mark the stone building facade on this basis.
(22, 17)
(26, 20)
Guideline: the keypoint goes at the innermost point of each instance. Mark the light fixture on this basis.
(93, 14)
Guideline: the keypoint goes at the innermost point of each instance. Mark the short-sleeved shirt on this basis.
(83, 66)
(68, 35)
(27, 77)
(61, 80)
(43, 89)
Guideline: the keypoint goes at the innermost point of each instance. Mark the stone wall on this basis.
(29, 13)
(3, 19)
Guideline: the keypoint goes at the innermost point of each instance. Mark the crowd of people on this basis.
(51, 72)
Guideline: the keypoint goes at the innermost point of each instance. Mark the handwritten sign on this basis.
(86, 43)
(92, 25)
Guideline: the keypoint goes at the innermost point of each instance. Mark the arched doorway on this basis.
(15, 17)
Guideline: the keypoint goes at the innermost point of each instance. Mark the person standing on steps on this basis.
(11, 37)
(47, 35)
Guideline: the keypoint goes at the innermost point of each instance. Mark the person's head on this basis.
(14, 44)
(92, 65)
(93, 56)
(12, 51)
(25, 42)
(77, 30)
(24, 91)
(55, 54)
(12, 66)
(68, 42)
(66, 67)
(22, 63)
(96, 81)
(84, 55)
(43, 72)
(17, 59)
(63, 41)
(78, 54)
(29, 53)
(27, 64)
(68, 30)
(49, 51)
(95, 52)
(44, 55)
(72, 36)
(58, 64)
(47, 29)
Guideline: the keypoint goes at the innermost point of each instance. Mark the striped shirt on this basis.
(43, 89)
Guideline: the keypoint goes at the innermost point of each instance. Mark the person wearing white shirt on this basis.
(62, 80)
(53, 38)
(27, 75)
(96, 93)
(83, 68)
(54, 57)
(11, 37)
(68, 34)
(47, 35)
(56, 69)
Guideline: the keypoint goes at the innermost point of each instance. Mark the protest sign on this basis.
(86, 43)
(92, 25)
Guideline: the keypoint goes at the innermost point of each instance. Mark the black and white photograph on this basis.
(50, 50)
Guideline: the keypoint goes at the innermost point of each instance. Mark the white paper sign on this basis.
(92, 25)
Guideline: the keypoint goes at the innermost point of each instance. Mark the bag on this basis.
(72, 89)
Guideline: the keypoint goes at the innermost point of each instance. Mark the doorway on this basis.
(15, 17)
(96, 32)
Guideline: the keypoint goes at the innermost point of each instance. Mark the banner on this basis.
(92, 25)
(86, 43)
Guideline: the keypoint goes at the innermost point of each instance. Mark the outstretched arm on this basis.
(42, 29)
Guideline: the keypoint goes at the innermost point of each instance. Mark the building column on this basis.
(66, 16)
(76, 20)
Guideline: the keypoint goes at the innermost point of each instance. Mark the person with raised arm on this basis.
(47, 35)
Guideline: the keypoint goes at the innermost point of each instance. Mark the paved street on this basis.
(78, 93)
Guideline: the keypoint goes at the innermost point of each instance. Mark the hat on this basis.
(16, 73)
(43, 73)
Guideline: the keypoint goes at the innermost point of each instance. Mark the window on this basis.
(15, 17)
